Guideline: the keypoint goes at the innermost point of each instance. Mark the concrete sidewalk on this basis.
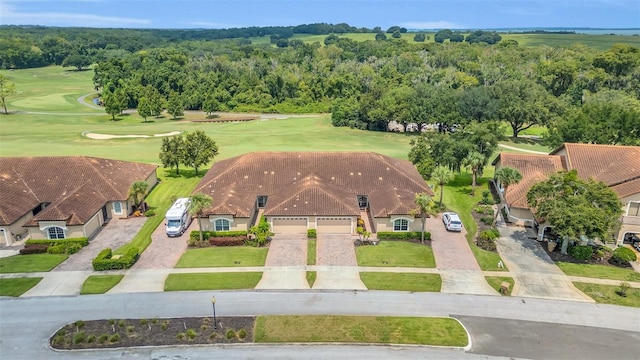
(59, 283)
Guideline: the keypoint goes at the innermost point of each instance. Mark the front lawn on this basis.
(496, 281)
(401, 281)
(396, 253)
(598, 271)
(99, 284)
(18, 286)
(227, 256)
(606, 294)
(360, 329)
(30, 263)
(212, 281)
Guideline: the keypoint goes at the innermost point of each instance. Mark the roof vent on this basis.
(359, 174)
(246, 176)
(351, 173)
(380, 178)
(272, 172)
(266, 172)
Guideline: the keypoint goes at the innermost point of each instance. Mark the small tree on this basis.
(175, 107)
(78, 61)
(6, 89)
(114, 102)
(199, 149)
(200, 202)
(441, 175)
(419, 37)
(262, 231)
(172, 152)
(506, 176)
(425, 209)
(144, 108)
(137, 192)
(475, 162)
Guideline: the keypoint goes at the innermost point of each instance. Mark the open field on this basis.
(212, 281)
(18, 286)
(99, 284)
(396, 253)
(30, 263)
(401, 281)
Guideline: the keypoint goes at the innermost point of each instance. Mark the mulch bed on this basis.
(118, 333)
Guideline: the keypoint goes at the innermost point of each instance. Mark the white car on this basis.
(452, 221)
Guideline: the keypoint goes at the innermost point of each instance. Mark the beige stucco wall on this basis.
(93, 224)
(15, 229)
(386, 224)
(237, 224)
(40, 232)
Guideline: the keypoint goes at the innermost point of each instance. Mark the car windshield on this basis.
(456, 222)
(173, 223)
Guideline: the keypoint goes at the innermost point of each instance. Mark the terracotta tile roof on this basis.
(26, 182)
(75, 208)
(316, 183)
(534, 168)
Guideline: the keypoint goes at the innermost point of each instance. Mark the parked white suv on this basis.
(452, 221)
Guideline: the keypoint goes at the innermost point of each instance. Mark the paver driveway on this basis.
(285, 264)
(337, 267)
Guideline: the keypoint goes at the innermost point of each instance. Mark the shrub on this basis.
(91, 339)
(228, 241)
(487, 239)
(114, 338)
(623, 255)
(231, 334)
(80, 241)
(112, 321)
(181, 336)
(195, 235)
(34, 249)
(149, 213)
(130, 328)
(311, 234)
(486, 198)
(143, 321)
(622, 290)
(73, 248)
(104, 260)
(191, 334)
(78, 337)
(212, 336)
(410, 235)
(58, 340)
(164, 325)
(103, 338)
(57, 249)
(203, 327)
(581, 252)
(242, 333)
(487, 220)
(79, 324)
(121, 323)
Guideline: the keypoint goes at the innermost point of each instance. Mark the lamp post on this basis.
(213, 303)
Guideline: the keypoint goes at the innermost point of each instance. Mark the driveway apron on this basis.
(285, 264)
(458, 268)
(535, 273)
(337, 267)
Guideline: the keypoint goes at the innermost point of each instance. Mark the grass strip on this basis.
(401, 281)
(99, 284)
(18, 286)
(212, 281)
(361, 329)
(496, 281)
(227, 256)
(396, 253)
(311, 278)
(30, 263)
(598, 271)
(311, 252)
(606, 294)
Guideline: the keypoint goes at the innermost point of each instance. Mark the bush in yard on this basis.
(622, 290)
(262, 231)
(191, 334)
(80, 241)
(105, 260)
(487, 220)
(228, 241)
(311, 234)
(623, 255)
(103, 338)
(242, 334)
(409, 235)
(114, 338)
(149, 213)
(195, 235)
(34, 249)
(78, 337)
(91, 339)
(581, 252)
(487, 239)
(486, 198)
(231, 334)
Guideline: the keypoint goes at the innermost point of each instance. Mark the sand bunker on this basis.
(96, 136)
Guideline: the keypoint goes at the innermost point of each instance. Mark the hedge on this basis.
(581, 252)
(80, 241)
(228, 241)
(34, 249)
(623, 255)
(104, 260)
(195, 235)
(311, 234)
(410, 235)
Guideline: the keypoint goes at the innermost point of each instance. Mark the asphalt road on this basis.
(27, 323)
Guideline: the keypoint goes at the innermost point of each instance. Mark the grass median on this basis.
(599, 271)
(401, 281)
(496, 282)
(99, 284)
(18, 286)
(396, 253)
(311, 252)
(212, 281)
(30, 263)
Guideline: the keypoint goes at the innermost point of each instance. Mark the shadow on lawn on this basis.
(186, 173)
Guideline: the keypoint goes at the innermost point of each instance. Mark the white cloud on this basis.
(10, 15)
(442, 24)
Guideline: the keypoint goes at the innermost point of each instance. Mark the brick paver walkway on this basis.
(450, 248)
(336, 250)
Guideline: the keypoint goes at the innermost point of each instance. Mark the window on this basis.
(55, 232)
(634, 209)
(400, 225)
(222, 225)
(117, 207)
(262, 202)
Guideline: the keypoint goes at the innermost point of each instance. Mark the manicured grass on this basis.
(396, 253)
(606, 294)
(311, 278)
(18, 286)
(599, 271)
(361, 329)
(212, 281)
(30, 263)
(401, 281)
(525, 144)
(311, 252)
(496, 281)
(600, 42)
(99, 284)
(228, 256)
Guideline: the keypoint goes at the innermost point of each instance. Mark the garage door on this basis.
(334, 225)
(290, 225)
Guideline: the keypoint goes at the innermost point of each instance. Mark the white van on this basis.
(178, 218)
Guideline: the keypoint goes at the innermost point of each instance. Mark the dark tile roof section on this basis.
(26, 182)
(312, 183)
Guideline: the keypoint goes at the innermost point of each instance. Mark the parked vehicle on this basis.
(178, 217)
(452, 221)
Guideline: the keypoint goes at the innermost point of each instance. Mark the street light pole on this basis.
(213, 303)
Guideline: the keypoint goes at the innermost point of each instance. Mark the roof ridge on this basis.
(100, 174)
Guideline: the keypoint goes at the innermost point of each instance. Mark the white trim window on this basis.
(55, 233)
(222, 225)
(117, 207)
(401, 224)
(633, 209)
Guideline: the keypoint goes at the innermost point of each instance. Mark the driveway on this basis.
(535, 273)
(337, 267)
(285, 264)
(458, 267)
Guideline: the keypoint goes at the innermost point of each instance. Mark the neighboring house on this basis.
(327, 191)
(64, 196)
(616, 166)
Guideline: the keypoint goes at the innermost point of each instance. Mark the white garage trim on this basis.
(335, 218)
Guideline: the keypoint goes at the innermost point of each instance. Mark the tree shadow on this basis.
(187, 173)
(177, 118)
(526, 141)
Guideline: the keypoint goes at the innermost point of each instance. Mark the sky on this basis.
(411, 14)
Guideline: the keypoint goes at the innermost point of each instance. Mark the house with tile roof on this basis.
(616, 166)
(57, 197)
(326, 191)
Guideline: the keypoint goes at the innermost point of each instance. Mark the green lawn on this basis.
(18, 286)
(212, 281)
(311, 278)
(99, 284)
(496, 281)
(606, 294)
(401, 281)
(311, 252)
(361, 329)
(599, 271)
(30, 263)
(396, 253)
(227, 256)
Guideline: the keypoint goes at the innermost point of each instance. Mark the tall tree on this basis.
(137, 192)
(475, 161)
(144, 108)
(77, 60)
(199, 149)
(441, 175)
(199, 203)
(506, 176)
(175, 106)
(6, 89)
(425, 209)
(172, 152)
(114, 102)
(575, 207)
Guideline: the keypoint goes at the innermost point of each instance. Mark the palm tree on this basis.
(475, 162)
(425, 208)
(137, 192)
(506, 176)
(442, 175)
(199, 202)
